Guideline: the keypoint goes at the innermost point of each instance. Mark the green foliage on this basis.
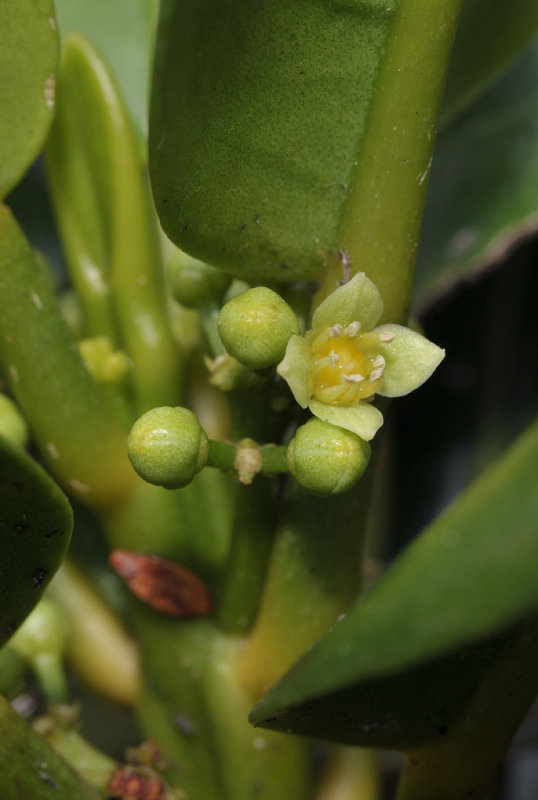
(477, 60)
(454, 585)
(236, 181)
(122, 32)
(28, 60)
(31, 768)
(35, 529)
(288, 141)
(483, 194)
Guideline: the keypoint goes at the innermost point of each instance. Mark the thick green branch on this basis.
(380, 226)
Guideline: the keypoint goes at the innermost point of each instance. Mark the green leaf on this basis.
(28, 60)
(489, 35)
(390, 668)
(69, 417)
(483, 194)
(257, 108)
(122, 32)
(31, 768)
(35, 529)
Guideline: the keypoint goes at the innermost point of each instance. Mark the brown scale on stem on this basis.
(163, 585)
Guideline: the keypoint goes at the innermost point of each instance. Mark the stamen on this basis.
(355, 377)
(352, 329)
(375, 374)
(334, 358)
(379, 361)
(386, 336)
(336, 330)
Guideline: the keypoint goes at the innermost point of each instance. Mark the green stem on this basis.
(314, 574)
(91, 764)
(106, 216)
(350, 774)
(49, 670)
(208, 317)
(464, 762)
(255, 505)
(195, 708)
(223, 456)
(380, 226)
(244, 572)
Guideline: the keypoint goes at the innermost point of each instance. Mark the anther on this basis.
(378, 362)
(355, 377)
(386, 336)
(336, 330)
(352, 329)
(375, 374)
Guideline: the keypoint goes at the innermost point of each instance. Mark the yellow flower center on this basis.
(345, 370)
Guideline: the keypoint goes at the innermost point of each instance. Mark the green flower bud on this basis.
(12, 424)
(326, 459)
(105, 365)
(255, 327)
(167, 446)
(194, 283)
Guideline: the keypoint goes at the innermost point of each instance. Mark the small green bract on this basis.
(167, 446)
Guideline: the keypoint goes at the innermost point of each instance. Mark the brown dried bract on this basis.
(128, 784)
(164, 585)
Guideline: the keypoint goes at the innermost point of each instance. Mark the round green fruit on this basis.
(167, 446)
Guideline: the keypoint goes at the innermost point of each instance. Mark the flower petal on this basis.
(409, 357)
(295, 369)
(359, 299)
(363, 419)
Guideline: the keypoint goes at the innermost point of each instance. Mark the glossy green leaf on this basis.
(489, 35)
(256, 110)
(35, 528)
(31, 768)
(483, 194)
(469, 575)
(68, 415)
(122, 31)
(28, 59)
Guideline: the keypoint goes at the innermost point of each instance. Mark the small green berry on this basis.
(326, 459)
(12, 424)
(255, 327)
(167, 446)
(193, 283)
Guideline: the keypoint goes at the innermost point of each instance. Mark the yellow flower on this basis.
(344, 360)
